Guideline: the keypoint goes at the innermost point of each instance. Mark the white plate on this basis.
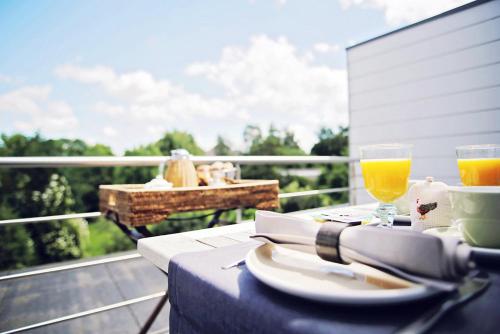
(453, 231)
(307, 276)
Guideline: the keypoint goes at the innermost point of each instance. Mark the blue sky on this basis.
(122, 73)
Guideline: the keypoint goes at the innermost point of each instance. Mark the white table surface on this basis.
(159, 250)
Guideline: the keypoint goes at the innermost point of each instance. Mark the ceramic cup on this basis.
(476, 212)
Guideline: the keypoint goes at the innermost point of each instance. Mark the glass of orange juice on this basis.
(479, 165)
(386, 170)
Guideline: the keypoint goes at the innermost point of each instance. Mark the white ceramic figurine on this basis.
(429, 205)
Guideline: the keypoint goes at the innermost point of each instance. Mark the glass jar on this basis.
(181, 171)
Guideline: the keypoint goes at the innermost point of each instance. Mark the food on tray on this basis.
(217, 174)
(204, 175)
(158, 183)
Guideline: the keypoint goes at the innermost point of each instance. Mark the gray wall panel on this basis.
(435, 85)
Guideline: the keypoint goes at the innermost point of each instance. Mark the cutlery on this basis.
(233, 264)
(300, 243)
(471, 288)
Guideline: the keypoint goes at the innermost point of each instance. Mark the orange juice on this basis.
(480, 172)
(386, 179)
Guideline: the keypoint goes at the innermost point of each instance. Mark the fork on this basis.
(234, 264)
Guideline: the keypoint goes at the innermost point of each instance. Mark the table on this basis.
(159, 250)
(218, 298)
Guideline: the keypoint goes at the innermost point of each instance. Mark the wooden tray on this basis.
(137, 206)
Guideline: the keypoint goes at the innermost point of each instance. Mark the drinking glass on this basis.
(479, 165)
(386, 170)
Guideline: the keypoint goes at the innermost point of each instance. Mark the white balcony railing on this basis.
(144, 161)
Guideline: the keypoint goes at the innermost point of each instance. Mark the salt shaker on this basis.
(429, 204)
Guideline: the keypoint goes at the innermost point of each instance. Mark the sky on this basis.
(122, 73)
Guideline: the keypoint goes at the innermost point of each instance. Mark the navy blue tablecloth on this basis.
(207, 299)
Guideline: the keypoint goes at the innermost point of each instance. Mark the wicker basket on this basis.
(136, 206)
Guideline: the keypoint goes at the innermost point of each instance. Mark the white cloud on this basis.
(5, 79)
(406, 11)
(325, 47)
(272, 82)
(32, 109)
(267, 81)
(146, 97)
(109, 131)
(108, 109)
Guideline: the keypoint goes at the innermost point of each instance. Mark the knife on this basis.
(471, 288)
(358, 271)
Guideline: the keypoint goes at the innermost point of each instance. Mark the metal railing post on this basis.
(239, 211)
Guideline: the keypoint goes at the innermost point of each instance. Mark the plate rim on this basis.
(369, 297)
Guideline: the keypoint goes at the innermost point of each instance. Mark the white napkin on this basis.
(268, 222)
(393, 249)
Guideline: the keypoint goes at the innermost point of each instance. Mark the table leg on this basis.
(154, 314)
(215, 218)
(143, 230)
(135, 234)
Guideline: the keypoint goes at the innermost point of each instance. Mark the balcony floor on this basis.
(29, 300)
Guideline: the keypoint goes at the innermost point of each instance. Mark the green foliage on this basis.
(17, 246)
(331, 143)
(337, 175)
(86, 193)
(301, 203)
(58, 240)
(178, 139)
(36, 192)
(189, 222)
(33, 192)
(104, 238)
(170, 141)
(222, 148)
(130, 175)
(275, 143)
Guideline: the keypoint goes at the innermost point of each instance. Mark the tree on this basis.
(33, 192)
(251, 134)
(178, 139)
(275, 143)
(222, 148)
(17, 247)
(59, 240)
(86, 194)
(333, 176)
(130, 175)
(331, 143)
(170, 141)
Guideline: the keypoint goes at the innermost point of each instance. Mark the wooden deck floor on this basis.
(29, 300)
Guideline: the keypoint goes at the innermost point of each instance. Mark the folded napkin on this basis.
(392, 249)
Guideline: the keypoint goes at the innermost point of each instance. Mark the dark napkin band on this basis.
(328, 240)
